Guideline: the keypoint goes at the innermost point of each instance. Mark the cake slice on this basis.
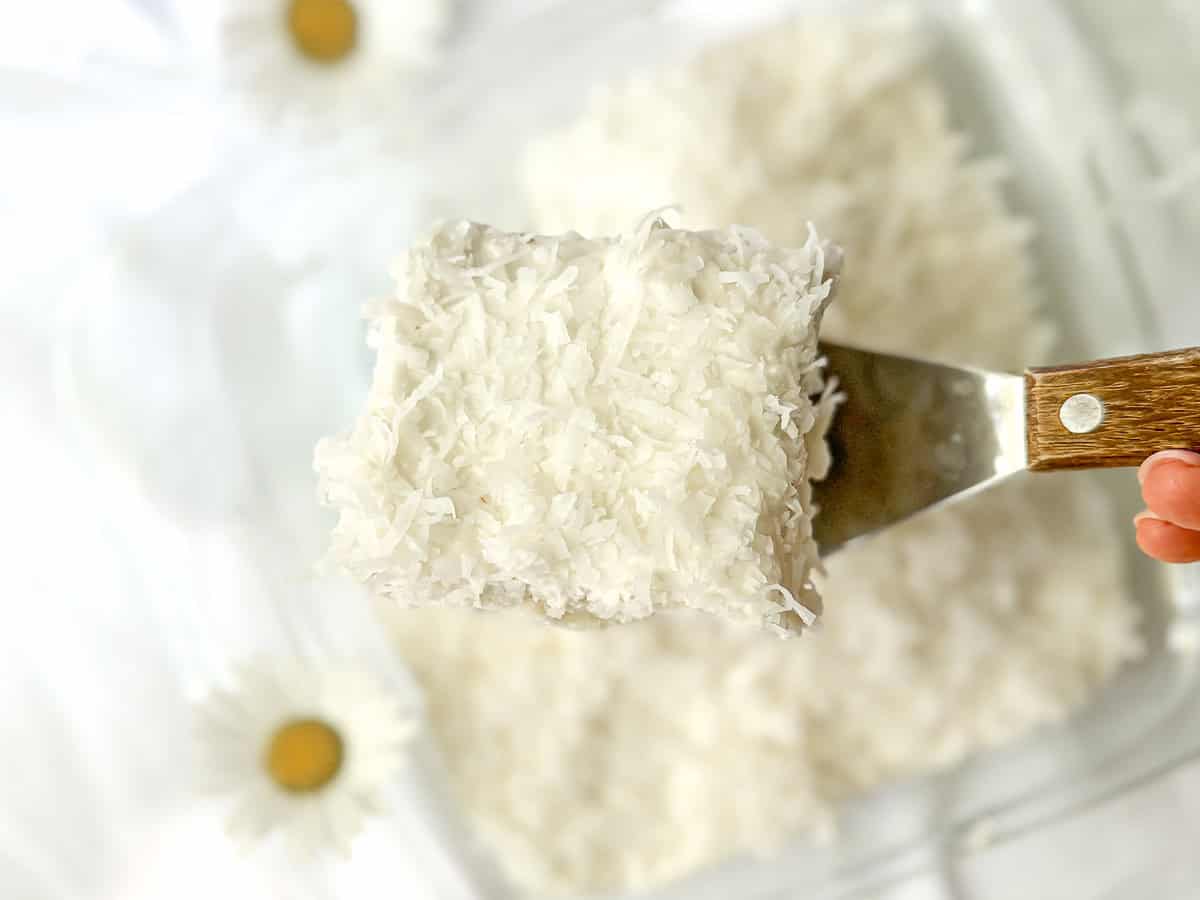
(595, 429)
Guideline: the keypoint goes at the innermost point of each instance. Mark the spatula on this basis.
(912, 434)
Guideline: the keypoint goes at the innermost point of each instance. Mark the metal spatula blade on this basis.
(913, 434)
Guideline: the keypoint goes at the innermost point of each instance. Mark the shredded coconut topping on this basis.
(595, 428)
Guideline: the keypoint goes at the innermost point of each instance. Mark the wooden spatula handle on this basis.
(1112, 412)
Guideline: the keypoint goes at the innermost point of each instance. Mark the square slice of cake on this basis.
(592, 428)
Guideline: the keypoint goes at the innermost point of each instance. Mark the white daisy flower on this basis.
(314, 61)
(303, 752)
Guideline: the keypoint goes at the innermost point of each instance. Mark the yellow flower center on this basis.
(325, 31)
(304, 755)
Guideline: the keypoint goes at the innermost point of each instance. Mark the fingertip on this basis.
(1171, 489)
(1152, 462)
(1166, 542)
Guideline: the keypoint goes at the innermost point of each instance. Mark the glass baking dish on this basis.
(1028, 86)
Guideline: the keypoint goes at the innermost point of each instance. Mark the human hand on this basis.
(1170, 529)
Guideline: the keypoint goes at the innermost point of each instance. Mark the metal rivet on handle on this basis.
(1081, 413)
